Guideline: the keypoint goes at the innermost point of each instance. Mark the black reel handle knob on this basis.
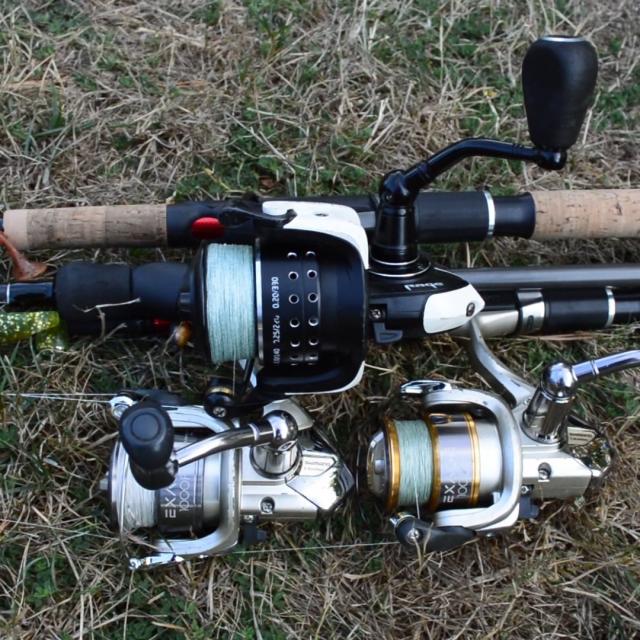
(558, 80)
(146, 432)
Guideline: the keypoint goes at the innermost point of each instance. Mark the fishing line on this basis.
(355, 545)
(230, 302)
(416, 462)
(139, 506)
(73, 397)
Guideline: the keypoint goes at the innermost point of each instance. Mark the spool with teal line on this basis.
(445, 461)
(230, 291)
(297, 308)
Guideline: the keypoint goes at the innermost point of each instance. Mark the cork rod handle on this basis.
(75, 227)
(601, 213)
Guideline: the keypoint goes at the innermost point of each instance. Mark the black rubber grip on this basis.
(435, 213)
(456, 217)
(90, 297)
(578, 310)
(441, 216)
(515, 216)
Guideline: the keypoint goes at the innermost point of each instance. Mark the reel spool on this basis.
(189, 506)
(311, 305)
(446, 461)
(296, 303)
(299, 311)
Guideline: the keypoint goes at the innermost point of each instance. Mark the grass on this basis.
(111, 102)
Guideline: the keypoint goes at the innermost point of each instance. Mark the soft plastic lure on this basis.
(44, 325)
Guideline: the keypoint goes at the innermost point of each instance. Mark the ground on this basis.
(106, 101)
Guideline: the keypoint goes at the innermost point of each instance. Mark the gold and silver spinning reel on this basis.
(475, 461)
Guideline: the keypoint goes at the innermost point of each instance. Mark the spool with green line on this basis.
(444, 461)
(296, 307)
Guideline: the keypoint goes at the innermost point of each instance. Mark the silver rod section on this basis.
(611, 307)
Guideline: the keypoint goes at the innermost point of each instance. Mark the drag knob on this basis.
(146, 432)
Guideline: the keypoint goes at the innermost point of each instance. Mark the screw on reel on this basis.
(225, 399)
(220, 400)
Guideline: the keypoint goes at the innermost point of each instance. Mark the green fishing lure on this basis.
(44, 325)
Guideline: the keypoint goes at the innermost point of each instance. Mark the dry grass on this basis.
(106, 101)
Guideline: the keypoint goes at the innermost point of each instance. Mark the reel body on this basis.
(215, 502)
(482, 473)
(287, 289)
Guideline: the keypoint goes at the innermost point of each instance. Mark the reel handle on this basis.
(558, 80)
(552, 402)
(146, 432)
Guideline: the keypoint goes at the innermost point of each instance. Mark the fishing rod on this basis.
(469, 216)
(558, 78)
(518, 301)
(304, 322)
(297, 287)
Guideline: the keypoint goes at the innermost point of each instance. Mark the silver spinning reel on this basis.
(475, 462)
(188, 485)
